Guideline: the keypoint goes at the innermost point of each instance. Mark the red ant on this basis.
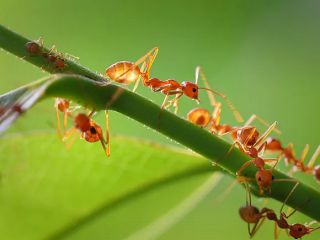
(90, 130)
(274, 145)
(263, 177)
(128, 72)
(296, 230)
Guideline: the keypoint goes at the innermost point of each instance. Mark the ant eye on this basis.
(194, 89)
(93, 130)
(259, 179)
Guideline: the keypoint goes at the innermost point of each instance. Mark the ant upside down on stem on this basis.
(252, 215)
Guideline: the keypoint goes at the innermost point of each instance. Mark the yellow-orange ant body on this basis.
(128, 72)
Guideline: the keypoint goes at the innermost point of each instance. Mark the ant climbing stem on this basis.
(263, 177)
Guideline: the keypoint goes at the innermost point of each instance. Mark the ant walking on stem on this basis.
(128, 72)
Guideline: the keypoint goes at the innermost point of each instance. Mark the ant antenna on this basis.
(289, 195)
(206, 84)
(231, 106)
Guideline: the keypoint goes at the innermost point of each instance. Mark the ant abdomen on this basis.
(249, 214)
(123, 72)
(199, 116)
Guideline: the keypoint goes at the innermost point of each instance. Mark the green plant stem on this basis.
(109, 96)
(16, 44)
(94, 95)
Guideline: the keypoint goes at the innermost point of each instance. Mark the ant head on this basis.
(298, 230)
(199, 116)
(190, 89)
(93, 134)
(316, 172)
(249, 135)
(273, 144)
(249, 214)
(82, 122)
(62, 104)
(264, 178)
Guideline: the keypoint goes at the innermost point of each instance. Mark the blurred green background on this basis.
(264, 55)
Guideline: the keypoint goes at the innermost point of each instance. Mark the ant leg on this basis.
(65, 120)
(287, 198)
(176, 102)
(275, 231)
(266, 133)
(314, 157)
(244, 166)
(304, 153)
(257, 226)
(71, 142)
(249, 136)
(200, 72)
(242, 179)
(164, 101)
(232, 147)
(60, 134)
(68, 133)
(216, 115)
(172, 101)
(152, 54)
(262, 121)
(142, 69)
(212, 100)
(107, 133)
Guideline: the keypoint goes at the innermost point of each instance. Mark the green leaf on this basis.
(48, 191)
